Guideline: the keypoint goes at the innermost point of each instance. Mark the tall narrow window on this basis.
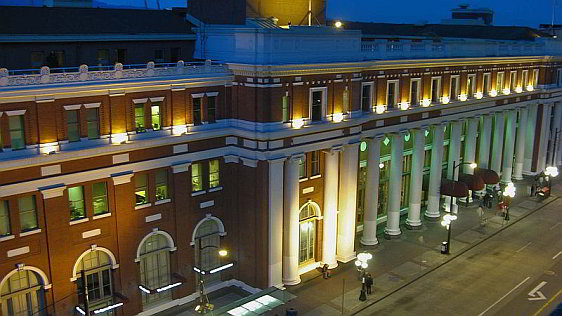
(37, 59)
(470, 85)
(346, 101)
(315, 163)
(285, 106)
(499, 82)
(73, 125)
(197, 111)
(435, 89)
(5, 228)
(415, 91)
(175, 53)
(302, 167)
(96, 265)
(214, 173)
(366, 97)
(535, 78)
(156, 119)
(392, 93)
(211, 109)
(121, 55)
(141, 189)
(139, 117)
(93, 123)
(99, 198)
(316, 105)
(196, 183)
(486, 84)
(513, 80)
(454, 88)
(161, 185)
(525, 81)
(159, 55)
(76, 203)
(154, 269)
(17, 135)
(28, 213)
(102, 57)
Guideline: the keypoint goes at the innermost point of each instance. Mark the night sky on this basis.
(507, 12)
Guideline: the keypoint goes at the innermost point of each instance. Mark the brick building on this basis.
(300, 141)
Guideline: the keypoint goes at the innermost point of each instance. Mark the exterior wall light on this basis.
(179, 130)
(493, 93)
(380, 108)
(298, 123)
(519, 89)
(381, 165)
(119, 138)
(506, 91)
(479, 95)
(426, 103)
(337, 117)
(404, 106)
(463, 97)
(49, 148)
(530, 88)
(338, 24)
(445, 99)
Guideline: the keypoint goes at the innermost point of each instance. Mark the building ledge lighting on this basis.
(119, 138)
(404, 106)
(463, 97)
(506, 91)
(426, 103)
(298, 123)
(179, 130)
(479, 95)
(445, 99)
(519, 89)
(380, 108)
(530, 88)
(493, 93)
(337, 117)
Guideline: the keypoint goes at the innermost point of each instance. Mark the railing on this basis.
(47, 75)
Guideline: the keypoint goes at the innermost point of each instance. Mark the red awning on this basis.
(474, 182)
(453, 188)
(489, 176)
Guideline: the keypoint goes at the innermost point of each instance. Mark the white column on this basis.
(485, 141)
(331, 176)
(470, 149)
(530, 139)
(509, 146)
(555, 128)
(497, 146)
(520, 144)
(392, 229)
(348, 203)
(454, 157)
(275, 242)
(545, 132)
(291, 222)
(369, 237)
(416, 178)
(432, 211)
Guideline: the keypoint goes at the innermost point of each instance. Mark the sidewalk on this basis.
(398, 262)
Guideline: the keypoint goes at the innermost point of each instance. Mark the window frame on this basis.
(146, 188)
(525, 78)
(199, 98)
(34, 211)
(20, 130)
(7, 222)
(535, 77)
(285, 108)
(156, 105)
(159, 184)
(96, 121)
(216, 182)
(95, 197)
(71, 203)
(211, 118)
(396, 93)
(76, 124)
(418, 92)
(512, 80)
(139, 106)
(457, 79)
(438, 90)
(470, 93)
(500, 74)
(303, 170)
(199, 176)
(486, 89)
(315, 163)
(323, 105)
(369, 106)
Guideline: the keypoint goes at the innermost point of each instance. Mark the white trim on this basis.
(315, 205)
(92, 105)
(324, 91)
(486, 90)
(164, 201)
(104, 215)
(141, 206)
(212, 94)
(458, 87)
(524, 83)
(439, 94)
(371, 84)
(309, 267)
(396, 92)
(472, 93)
(499, 90)
(138, 101)
(30, 232)
(197, 95)
(200, 192)
(171, 244)
(7, 237)
(157, 99)
(78, 221)
(46, 285)
(114, 264)
(215, 189)
(418, 80)
(207, 218)
(72, 107)
(15, 113)
(511, 84)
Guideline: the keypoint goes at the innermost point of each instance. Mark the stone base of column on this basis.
(346, 258)
(530, 173)
(292, 282)
(369, 242)
(392, 234)
(414, 227)
(432, 215)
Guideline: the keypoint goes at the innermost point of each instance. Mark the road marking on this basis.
(506, 294)
(547, 303)
(560, 253)
(551, 228)
(536, 291)
(520, 249)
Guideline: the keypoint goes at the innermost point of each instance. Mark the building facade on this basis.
(120, 176)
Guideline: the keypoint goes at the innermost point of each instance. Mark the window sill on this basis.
(104, 215)
(141, 206)
(198, 193)
(30, 232)
(7, 237)
(316, 177)
(79, 221)
(303, 179)
(164, 201)
(215, 189)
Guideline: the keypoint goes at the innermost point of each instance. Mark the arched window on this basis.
(208, 235)
(308, 215)
(22, 294)
(97, 269)
(154, 255)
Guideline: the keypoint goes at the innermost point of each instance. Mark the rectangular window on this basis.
(102, 57)
(76, 203)
(93, 123)
(285, 106)
(214, 174)
(366, 97)
(392, 91)
(499, 82)
(99, 198)
(211, 109)
(196, 183)
(55, 59)
(525, 81)
(435, 89)
(121, 55)
(315, 163)
(28, 213)
(345, 100)
(5, 228)
(486, 83)
(454, 88)
(175, 53)
(470, 85)
(17, 135)
(302, 167)
(535, 78)
(73, 125)
(156, 119)
(197, 111)
(139, 117)
(316, 102)
(415, 91)
(141, 189)
(161, 185)
(513, 80)
(37, 59)
(158, 55)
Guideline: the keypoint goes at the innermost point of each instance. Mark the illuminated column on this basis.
(348, 203)
(416, 178)
(331, 174)
(372, 192)
(509, 145)
(485, 141)
(291, 222)
(545, 133)
(520, 144)
(497, 146)
(275, 221)
(392, 228)
(454, 156)
(470, 149)
(530, 139)
(432, 211)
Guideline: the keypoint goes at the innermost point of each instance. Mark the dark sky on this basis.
(507, 12)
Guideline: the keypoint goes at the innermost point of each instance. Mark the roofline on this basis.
(25, 38)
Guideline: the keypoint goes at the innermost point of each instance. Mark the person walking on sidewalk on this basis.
(325, 271)
(369, 283)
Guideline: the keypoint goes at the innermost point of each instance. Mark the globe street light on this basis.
(447, 221)
(508, 193)
(455, 166)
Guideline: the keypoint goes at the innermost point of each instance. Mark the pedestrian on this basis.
(369, 283)
(533, 189)
(325, 271)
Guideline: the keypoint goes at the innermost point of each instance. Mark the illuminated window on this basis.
(155, 268)
(302, 167)
(161, 185)
(139, 117)
(513, 80)
(5, 228)
(346, 100)
(28, 213)
(317, 101)
(535, 78)
(17, 134)
(315, 163)
(156, 118)
(525, 80)
(73, 125)
(99, 198)
(285, 106)
(141, 189)
(22, 294)
(196, 179)
(214, 174)
(76, 203)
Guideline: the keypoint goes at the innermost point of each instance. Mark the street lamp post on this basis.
(204, 304)
(508, 193)
(362, 264)
(447, 222)
(455, 166)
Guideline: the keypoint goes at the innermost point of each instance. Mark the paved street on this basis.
(489, 258)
